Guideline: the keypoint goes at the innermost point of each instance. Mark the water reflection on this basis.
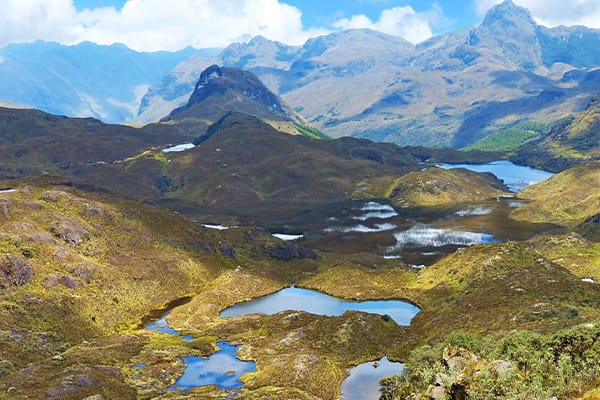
(222, 369)
(363, 382)
(425, 236)
(313, 302)
(516, 177)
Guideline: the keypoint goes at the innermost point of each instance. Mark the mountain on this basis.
(451, 90)
(242, 168)
(221, 90)
(569, 141)
(33, 142)
(85, 80)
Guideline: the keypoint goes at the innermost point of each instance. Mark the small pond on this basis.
(297, 299)
(363, 382)
(222, 369)
(516, 177)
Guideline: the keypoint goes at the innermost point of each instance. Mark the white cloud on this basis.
(555, 12)
(399, 21)
(149, 25)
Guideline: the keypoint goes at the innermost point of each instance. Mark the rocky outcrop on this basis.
(69, 231)
(464, 367)
(289, 251)
(227, 250)
(14, 271)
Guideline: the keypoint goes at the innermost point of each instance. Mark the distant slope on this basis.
(433, 186)
(567, 199)
(32, 141)
(86, 80)
(570, 141)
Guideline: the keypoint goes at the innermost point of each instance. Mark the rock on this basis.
(95, 397)
(83, 273)
(227, 250)
(61, 253)
(40, 237)
(289, 251)
(458, 358)
(440, 379)
(207, 246)
(32, 204)
(70, 231)
(436, 392)
(14, 271)
(54, 195)
(5, 205)
(69, 282)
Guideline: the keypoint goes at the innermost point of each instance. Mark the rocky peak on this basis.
(506, 15)
(510, 34)
(210, 73)
(220, 90)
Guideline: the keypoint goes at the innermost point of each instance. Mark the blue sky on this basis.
(151, 25)
(319, 13)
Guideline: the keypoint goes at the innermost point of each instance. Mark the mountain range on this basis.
(121, 245)
(85, 80)
(451, 90)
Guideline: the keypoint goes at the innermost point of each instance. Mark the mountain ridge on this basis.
(451, 90)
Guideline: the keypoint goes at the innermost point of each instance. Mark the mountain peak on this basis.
(221, 90)
(507, 13)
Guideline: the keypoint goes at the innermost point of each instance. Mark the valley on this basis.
(432, 232)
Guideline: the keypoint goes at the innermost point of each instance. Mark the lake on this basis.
(516, 177)
(310, 301)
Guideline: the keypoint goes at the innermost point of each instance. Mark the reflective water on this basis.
(421, 235)
(363, 382)
(516, 177)
(222, 369)
(179, 147)
(314, 302)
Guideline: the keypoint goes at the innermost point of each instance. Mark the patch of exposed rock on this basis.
(14, 271)
(463, 368)
(70, 232)
(289, 251)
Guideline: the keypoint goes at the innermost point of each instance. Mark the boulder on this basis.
(227, 250)
(289, 251)
(458, 358)
(70, 231)
(14, 271)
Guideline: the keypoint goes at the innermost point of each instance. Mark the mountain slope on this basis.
(567, 199)
(86, 80)
(33, 141)
(570, 141)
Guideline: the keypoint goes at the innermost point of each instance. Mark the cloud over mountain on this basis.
(150, 25)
